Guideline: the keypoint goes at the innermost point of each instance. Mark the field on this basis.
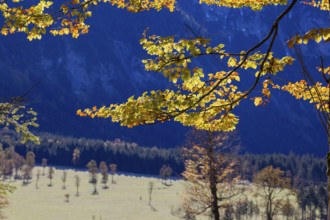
(127, 199)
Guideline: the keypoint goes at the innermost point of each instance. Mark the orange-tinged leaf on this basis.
(257, 101)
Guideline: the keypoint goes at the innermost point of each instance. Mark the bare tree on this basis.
(165, 172)
(104, 172)
(76, 156)
(77, 184)
(210, 173)
(19, 162)
(113, 171)
(93, 172)
(162, 172)
(37, 179)
(67, 196)
(43, 164)
(150, 189)
(27, 171)
(271, 184)
(63, 178)
(30, 159)
(51, 172)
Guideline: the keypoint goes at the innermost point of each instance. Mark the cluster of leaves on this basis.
(32, 20)
(317, 94)
(204, 101)
(318, 35)
(13, 115)
(254, 5)
(207, 100)
(321, 4)
(67, 18)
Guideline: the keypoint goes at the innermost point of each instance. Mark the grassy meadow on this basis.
(127, 199)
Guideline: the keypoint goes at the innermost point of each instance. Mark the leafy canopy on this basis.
(200, 99)
(206, 100)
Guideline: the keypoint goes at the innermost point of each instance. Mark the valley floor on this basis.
(128, 199)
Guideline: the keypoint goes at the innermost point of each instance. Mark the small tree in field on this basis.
(113, 170)
(162, 173)
(19, 162)
(50, 176)
(29, 164)
(30, 159)
(93, 171)
(63, 178)
(77, 184)
(37, 179)
(43, 164)
(271, 184)
(104, 172)
(150, 189)
(27, 171)
(165, 172)
(76, 156)
(67, 196)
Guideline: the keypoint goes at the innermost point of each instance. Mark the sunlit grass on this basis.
(127, 199)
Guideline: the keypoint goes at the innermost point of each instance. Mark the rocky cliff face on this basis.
(104, 67)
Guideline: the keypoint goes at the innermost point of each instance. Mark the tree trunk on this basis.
(213, 185)
(269, 216)
(328, 155)
(328, 175)
(215, 206)
(269, 211)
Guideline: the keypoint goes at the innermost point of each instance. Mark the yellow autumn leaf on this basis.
(232, 62)
(257, 101)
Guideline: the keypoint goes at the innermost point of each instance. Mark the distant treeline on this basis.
(303, 169)
(130, 157)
